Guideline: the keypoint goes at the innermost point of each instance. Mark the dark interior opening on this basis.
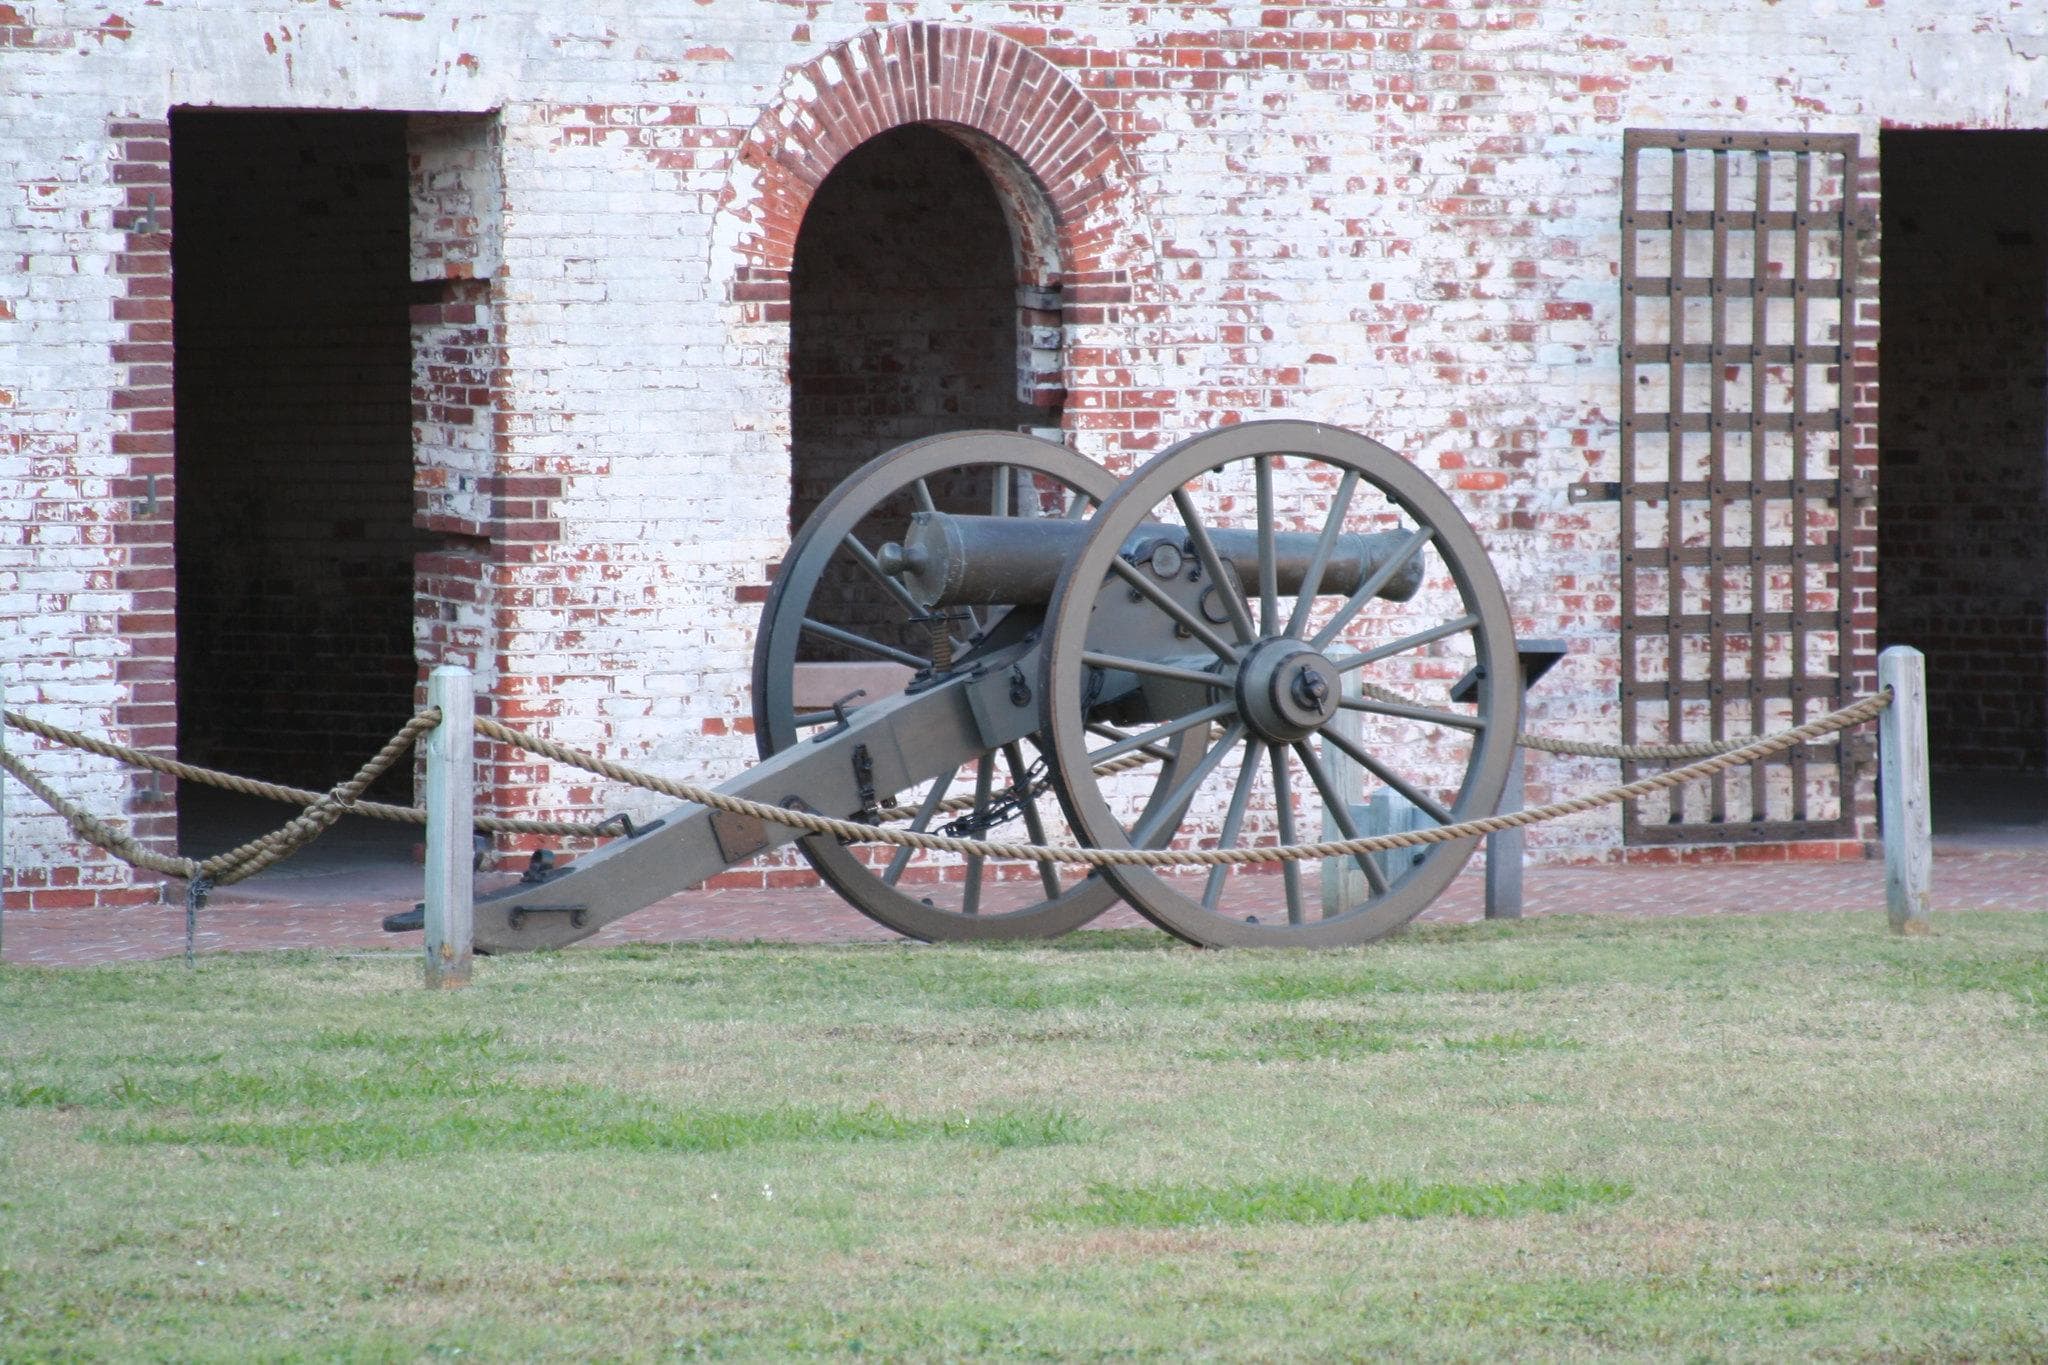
(1963, 458)
(904, 324)
(293, 361)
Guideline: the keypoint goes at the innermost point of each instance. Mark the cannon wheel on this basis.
(1267, 778)
(837, 546)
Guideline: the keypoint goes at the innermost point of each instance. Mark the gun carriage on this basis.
(1212, 616)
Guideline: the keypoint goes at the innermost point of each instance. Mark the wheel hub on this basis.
(1285, 690)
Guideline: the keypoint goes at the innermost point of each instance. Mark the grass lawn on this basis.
(1746, 1137)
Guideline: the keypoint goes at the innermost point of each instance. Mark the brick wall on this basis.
(1965, 420)
(459, 416)
(1397, 218)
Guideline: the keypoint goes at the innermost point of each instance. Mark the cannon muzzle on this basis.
(951, 561)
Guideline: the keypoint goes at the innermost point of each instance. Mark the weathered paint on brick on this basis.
(1396, 217)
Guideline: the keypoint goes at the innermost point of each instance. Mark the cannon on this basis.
(1162, 662)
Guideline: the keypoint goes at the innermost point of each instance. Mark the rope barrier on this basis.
(1576, 748)
(853, 832)
(296, 796)
(323, 809)
(237, 864)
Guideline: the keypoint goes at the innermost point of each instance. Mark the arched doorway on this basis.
(905, 312)
(913, 312)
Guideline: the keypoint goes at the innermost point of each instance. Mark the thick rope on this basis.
(851, 831)
(296, 796)
(95, 831)
(617, 824)
(324, 809)
(245, 861)
(1640, 753)
(1634, 753)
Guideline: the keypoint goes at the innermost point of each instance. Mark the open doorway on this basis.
(294, 460)
(1963, 463)
(913, 313)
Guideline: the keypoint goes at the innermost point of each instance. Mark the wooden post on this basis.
(3, 841)
(451, 803)
(1905, 808)
(1504, 850)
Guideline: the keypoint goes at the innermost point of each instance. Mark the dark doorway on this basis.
(907, 320)
(294, 444)
(904, 312)
(1963, 423)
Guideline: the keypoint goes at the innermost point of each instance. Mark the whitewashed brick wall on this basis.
(1395, 217)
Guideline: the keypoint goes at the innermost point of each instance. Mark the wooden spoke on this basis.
(1269, 568)
(863, 643)
(1367, 590)
(1339, 806)
(1110, 732)
(1426, 714)
(1393, 779)
(1193, 624)
(1349, 662)
(1233, 820)
(1283, 806)
(1171, 806)
(865, 557)
(1034, 823)
(1212, 565)
(1153, 668)
(1171, 728)
(901, 857)
(984, 781)
(1312, 581)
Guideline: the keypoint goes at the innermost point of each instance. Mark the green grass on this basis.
(1317, 1199)
(1756, 1137)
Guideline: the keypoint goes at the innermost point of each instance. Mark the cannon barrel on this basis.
(948, 561)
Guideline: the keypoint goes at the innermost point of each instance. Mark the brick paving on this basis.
(341, 908)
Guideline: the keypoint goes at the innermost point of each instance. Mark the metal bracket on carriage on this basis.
(839, 713)
(578, 915)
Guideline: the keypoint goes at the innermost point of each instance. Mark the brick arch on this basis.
(1043, 142)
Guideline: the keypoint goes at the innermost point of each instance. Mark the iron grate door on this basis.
(1738, 270)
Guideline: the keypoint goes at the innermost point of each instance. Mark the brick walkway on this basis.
(341, 909)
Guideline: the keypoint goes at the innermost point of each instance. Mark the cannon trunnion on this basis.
(1224, 650)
